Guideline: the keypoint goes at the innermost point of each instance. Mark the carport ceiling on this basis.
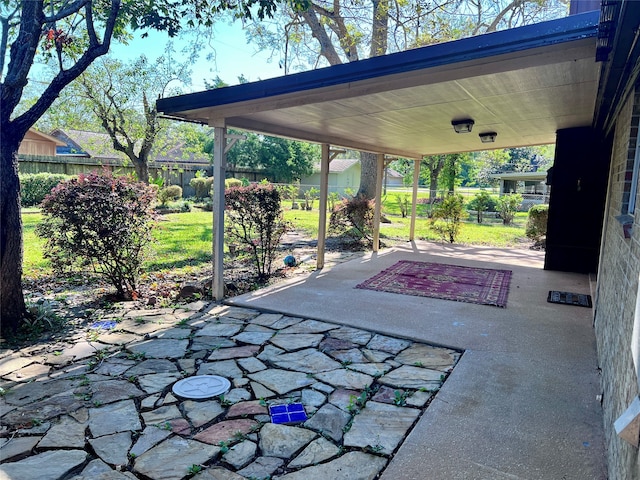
(524, 84)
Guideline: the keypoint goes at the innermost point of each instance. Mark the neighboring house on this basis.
(531, 185)
(74, 151)
(38, 143)
(344, 173)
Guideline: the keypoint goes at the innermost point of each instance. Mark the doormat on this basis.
(568, 298)
(483, 286)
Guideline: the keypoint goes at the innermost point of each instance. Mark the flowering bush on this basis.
(254, 220)
(102, 222)
(353, 217)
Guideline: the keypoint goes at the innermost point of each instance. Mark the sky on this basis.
(233, 56)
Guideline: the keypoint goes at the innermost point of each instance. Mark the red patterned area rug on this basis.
(450, 282)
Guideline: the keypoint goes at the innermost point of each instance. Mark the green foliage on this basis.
(403, 204)
(202, 186)
(353, 217)
(482, 202)
(35, 186)
(169, 194)
(447, 217)
(290, 192)
(283, 160)
(232, 182)
(158, 181)
(102, 222)
(332, 198)
(254, 219)
(309, 196)
(537, 222)
(508, 206)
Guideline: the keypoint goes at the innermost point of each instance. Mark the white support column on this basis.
(378, 204)
(219, 171)
(324, 194)
(414, 201)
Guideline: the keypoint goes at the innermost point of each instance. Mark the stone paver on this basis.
(362, 393)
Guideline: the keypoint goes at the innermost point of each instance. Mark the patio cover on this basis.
(524, 84)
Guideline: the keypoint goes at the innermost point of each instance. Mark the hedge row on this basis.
(35, 186)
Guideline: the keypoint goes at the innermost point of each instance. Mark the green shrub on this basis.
(309, 196)
(482, 202)
(403, 204)
(537, 222)
(169, 194)
(290, 192)
(508, 206)
(202, 186)
(35, 186)
(353, 217)
(232, 182)
(447, 217)
(254, 220)
(101, 222)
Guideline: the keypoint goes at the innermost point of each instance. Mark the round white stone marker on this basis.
(201, 386)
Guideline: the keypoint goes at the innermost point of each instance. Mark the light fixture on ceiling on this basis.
(462, 126)
(488, 137)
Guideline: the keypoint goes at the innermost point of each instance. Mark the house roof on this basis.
(92, 144)
(520, 176)
(524, 83)
(36, 133)
(99, 145)
(338, 165)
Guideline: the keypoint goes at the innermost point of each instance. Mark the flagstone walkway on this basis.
(101, 406)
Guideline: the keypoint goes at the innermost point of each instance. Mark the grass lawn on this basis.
(183, 240)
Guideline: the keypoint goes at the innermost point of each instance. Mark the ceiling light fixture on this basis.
(488, 137)
(462, 126)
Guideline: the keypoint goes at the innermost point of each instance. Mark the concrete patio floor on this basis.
(521, 403)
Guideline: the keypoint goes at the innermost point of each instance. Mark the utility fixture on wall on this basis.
(462, 126)
(488, 137)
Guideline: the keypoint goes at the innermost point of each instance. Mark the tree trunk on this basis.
(12, 306)
(433, 184)
(142, 169)
(368, 163)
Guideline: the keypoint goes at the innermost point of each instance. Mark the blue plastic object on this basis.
(105, 325)
(290, 261)
(291, 413)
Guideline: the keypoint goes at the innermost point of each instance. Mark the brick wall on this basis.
(616, 299)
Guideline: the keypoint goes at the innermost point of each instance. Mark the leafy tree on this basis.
(508, 206)
(282, 160)
(481, 203)
(102, 222)
(72, 35)
(122, 97)
(434, 165)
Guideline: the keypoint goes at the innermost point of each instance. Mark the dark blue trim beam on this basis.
(543, 34)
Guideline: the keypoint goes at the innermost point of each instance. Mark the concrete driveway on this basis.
(521, 403)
